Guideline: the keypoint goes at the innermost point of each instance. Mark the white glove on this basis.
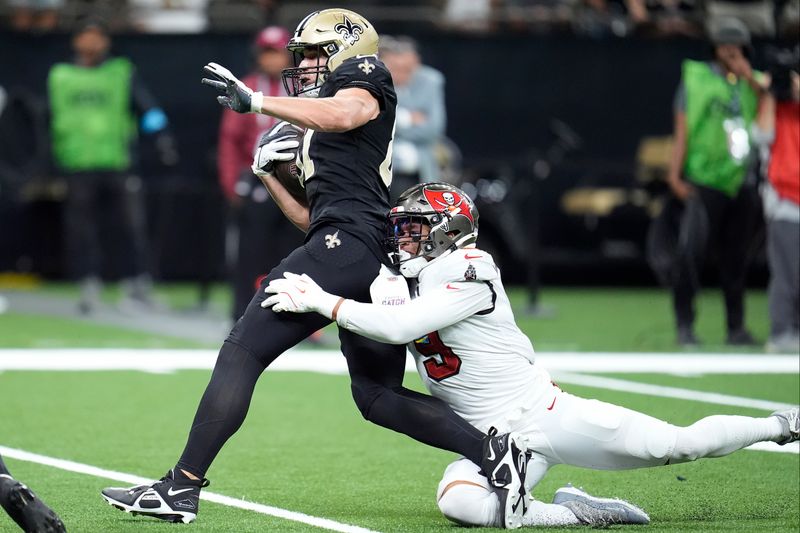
(264, 160)
(236, 95)
(300, 294)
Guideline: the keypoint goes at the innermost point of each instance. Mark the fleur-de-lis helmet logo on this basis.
(349, 31)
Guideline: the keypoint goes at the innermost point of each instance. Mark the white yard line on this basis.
(332, 362)
(131, 479)
(667, 392)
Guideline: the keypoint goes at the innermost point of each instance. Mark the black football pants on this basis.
(342, 265)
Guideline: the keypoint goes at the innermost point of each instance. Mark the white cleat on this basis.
(599, 512)
(790, 422)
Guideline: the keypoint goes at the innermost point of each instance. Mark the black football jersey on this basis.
(348, 174)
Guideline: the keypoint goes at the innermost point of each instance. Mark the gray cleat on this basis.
(790, 422)
(599, 512)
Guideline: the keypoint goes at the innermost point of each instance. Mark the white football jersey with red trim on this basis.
(482, 366)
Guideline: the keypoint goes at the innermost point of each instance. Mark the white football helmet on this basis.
(449, 213)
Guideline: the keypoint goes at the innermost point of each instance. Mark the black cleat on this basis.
(505, 463)
(26, 509)
(166, 499)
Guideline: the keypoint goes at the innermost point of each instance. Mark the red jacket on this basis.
(784, 164)
(239, 133)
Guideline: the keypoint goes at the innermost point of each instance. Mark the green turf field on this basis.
(605, 319)
(305, 448)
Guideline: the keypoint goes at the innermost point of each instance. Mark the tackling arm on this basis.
(398, 324)
(431, 312)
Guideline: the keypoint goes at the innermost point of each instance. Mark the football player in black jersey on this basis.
(348, 109)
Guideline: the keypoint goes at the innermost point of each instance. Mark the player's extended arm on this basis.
(396, 324)
(348, 109)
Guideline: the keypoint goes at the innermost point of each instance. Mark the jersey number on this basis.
(450, 363)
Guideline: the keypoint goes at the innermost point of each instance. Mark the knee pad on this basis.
(464, 496)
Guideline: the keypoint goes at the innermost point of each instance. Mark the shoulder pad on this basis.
(468, 264)
(366, 72)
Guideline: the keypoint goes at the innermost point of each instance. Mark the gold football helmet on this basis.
(338, 34)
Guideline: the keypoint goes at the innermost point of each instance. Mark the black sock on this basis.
(222, 408)
(428, 420)
(3, 469)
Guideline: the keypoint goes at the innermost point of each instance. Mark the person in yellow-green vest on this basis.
(712, 163)
(94, 105)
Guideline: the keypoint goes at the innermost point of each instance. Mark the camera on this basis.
(781, 62)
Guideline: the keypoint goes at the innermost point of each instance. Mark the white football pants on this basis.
(599, 435)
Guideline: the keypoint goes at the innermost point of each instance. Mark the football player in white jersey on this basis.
(470, 353)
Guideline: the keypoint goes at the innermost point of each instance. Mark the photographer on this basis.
(779, 124)
(715, 106)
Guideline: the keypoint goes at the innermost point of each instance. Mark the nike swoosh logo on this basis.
(174, 492)
(551, 405)
(491, 453)
(453, 288)
(467, 256)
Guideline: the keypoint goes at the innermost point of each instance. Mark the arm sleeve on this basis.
(434, 310)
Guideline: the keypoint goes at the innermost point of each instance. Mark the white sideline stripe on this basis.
(130, 479)
(792, 447)
(332, 362)
(668, 392)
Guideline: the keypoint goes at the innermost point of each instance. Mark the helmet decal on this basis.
(349, 31)
(450, 201)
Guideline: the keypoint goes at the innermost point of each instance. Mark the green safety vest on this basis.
(92, 124)
(710, 100)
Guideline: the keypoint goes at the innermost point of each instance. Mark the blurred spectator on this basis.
(421, 115)
(242, 15)
(261, 235)
(93, 129)
(757, 15)
(661, 18)
(601, 18)
(169, 16)
(537, 15)
(788, 19)
(779, 121)
(471, 15)
(35, 15)
(715, 107)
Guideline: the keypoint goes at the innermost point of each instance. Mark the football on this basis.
(286, 172)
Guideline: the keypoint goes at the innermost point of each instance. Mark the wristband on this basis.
(256, 101)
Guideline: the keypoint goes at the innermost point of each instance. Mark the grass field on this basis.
(305, 448)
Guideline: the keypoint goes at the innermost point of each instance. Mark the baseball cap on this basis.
(271, 37)
(728, 30)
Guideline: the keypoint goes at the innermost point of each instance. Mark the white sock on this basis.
(548, 514)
